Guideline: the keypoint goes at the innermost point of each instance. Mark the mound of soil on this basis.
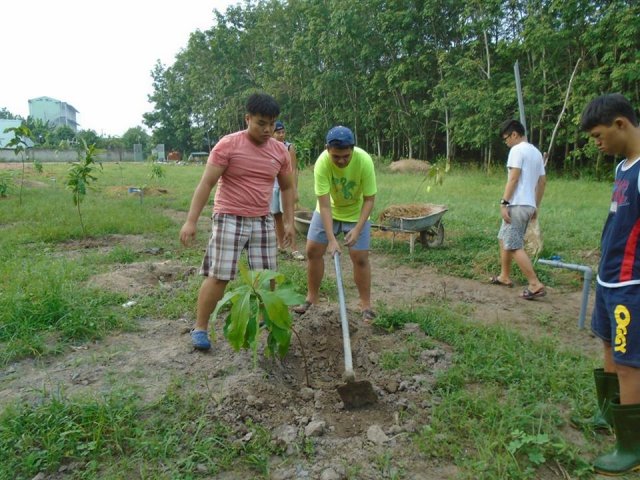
(409, 165)
(139, 278)
(278, 396)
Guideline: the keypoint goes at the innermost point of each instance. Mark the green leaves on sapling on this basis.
(19, 144)
(254, 302)
(80, 176)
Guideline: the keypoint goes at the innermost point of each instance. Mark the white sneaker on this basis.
(298, 256)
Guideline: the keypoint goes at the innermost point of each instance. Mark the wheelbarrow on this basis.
(429, 228)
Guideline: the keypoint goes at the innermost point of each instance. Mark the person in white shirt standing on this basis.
(519, 205)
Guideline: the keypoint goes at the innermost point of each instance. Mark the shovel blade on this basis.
(357, 394)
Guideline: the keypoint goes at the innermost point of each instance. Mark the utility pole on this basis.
(523, 121)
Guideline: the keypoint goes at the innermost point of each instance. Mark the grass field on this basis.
(45, 306)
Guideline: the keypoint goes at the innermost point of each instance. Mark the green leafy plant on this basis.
(19, 143)
(6, 182)
(157, 172)
(253, 302)
(438, 170)
(436, 173)
(37, 164)
(533, 446)
(80, 176)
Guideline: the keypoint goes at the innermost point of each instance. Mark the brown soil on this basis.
(275, 393)
(13, 165)
(408, 210)
(406, 165)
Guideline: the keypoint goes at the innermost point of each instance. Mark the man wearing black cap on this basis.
(345, 184)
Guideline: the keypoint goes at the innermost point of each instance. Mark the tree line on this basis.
(45, 134)
(424, 79)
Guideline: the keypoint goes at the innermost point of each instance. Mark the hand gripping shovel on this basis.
(353, 394)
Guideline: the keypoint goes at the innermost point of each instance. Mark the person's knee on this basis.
(359, 258)
(315, 251)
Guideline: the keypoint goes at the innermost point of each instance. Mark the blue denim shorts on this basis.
(317, 234)
(616, 320)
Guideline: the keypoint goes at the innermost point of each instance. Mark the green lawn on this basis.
(44, 307)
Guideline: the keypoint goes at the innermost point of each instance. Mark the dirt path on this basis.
(149, 359)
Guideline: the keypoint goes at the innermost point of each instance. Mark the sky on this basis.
(96, 56)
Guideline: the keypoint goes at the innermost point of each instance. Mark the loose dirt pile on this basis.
(405, 165)
(278, 397)
(407, 210)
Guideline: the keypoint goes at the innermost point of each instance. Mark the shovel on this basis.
(353, 394)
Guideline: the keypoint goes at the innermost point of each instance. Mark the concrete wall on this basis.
(45, 155)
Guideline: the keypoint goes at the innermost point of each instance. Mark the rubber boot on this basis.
(626, 456)
(607, 389)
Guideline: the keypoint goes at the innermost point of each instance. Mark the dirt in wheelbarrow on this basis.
(408, 210)
(371, 443)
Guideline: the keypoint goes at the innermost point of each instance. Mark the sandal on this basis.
(200, 340)
(497, 281)
(298, 256)
(368, 315)
(300, 309)
(529, 295)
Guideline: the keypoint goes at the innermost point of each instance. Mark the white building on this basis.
(53, 111)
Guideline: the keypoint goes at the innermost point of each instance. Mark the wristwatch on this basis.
(504, 202)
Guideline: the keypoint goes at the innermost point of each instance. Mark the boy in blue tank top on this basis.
(611, 122)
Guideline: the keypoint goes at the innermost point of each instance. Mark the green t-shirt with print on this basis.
(347, 186)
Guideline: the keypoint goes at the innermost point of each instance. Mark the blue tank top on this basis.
(620, 245)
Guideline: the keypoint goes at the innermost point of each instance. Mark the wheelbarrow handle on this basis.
(382, 228)
(346, 341)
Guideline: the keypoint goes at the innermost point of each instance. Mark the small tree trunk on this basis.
(84, 233)
(21, 181)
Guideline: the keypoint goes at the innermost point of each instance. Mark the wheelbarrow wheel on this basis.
(433, 237)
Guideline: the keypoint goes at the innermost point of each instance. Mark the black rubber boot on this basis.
(607, 390)
(626, 456)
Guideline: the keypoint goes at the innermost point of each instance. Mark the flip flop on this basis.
(368, 315)
(497, 281)
(529, 295)
(298, 256)
(300, 309)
